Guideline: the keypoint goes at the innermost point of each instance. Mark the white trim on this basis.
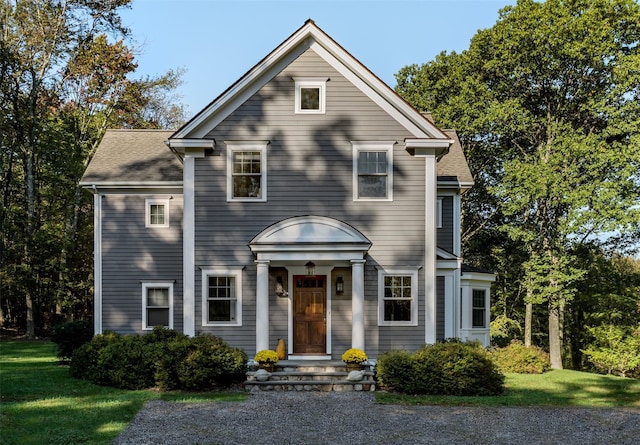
(161, 285)
(430, 248)
(129, 184)
(262, 305)
(439, 213)
(259, 146)
(189, 244)
(182, 144)
(97, 263)
(386, 147)
(413, 273)
(148, 202)
(457, 224)
(321, 84)
(236, 273)
(357, 305)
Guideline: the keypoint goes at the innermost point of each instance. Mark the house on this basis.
(307, 202)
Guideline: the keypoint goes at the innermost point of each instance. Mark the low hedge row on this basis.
(164, 358)
(521, 359)
(446, 368)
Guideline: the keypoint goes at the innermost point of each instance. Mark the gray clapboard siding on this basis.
(310, 170)
(133, 253)
(440, 308)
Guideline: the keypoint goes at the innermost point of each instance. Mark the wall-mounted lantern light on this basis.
(339, 285)
(311, 268)
(280, 292)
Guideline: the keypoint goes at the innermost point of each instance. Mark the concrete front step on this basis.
(310, 376)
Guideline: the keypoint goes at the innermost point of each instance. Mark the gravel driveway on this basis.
(276, 418)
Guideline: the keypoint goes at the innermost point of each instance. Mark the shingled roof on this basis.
(454, 163)
(133, 157)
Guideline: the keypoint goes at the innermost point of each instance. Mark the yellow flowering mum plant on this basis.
(354, 355)
(266, 356)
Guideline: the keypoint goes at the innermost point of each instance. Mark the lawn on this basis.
(41, 404)
(553, 388)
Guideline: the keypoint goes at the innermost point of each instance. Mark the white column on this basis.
(430, 233)
(357, 304)
(188, 246)
(262, 305)
(97, 262)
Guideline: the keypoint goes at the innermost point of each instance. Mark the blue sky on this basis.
(217, 41)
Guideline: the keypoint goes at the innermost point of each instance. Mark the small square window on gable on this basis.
(310, 96)
(157, 212)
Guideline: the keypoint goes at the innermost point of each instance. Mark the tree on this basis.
(65, 77)
(547, 102)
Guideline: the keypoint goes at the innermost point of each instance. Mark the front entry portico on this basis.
(291, 243)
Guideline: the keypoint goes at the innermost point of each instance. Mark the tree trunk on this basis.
(556, 315)
(528, 316)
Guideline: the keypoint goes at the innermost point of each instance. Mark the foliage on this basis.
(616, 349)
(445, 368)
(547, 106)
(163, 358)
(503, 330)
(66, 74)
(561, 388)
(266, 357)
(41, 403)
(518, 358)
(200, 363)
(354, 355)
(71, 335)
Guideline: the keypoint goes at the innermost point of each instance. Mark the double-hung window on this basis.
(478, 308)
(310, 96)
(247, 171)
(157, 305)
(222, 297)
(398, 297)
(156, 212)
(373, 171)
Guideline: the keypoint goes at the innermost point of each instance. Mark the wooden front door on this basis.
(309, 314)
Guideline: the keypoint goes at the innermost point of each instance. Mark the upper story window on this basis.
(310, 95)
(156, 212)
(247, 171)
(398, 297)
(373, 171)
(157, 305)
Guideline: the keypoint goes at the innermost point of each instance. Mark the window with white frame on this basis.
(310, 96)
(398, 297)
(247, 171)
(156, 212)
(157, 305)
(373, 171)
(478, 308)
(439, 213)
(222, 297)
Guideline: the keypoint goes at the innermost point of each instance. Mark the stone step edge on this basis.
(309, 373)
(309, 382)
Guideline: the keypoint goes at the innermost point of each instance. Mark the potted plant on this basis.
(354, 358)
(267, 359)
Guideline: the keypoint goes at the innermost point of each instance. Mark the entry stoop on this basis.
(290, 375)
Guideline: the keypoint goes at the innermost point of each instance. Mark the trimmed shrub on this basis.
(201, 363)
(445, 368)
(163, 358)
(520, 359)
(394, 371)
(69, 336)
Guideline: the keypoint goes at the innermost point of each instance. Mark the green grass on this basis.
(41, 404)
(553, 388)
